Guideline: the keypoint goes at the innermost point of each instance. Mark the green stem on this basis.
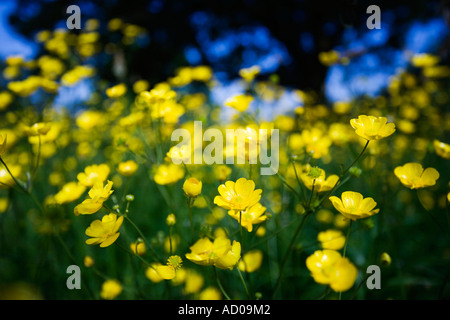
(165, 196)
(359, 286)
(189, 204)
(287, 185)
(298, 180)
(243, 283)
(38, 158)
(143, 238)
(431, 215)
(187, 170)
(345, 249)
(220, 284)
(312, 193)
(133, 254)
(356, 160)
(25, 190)
(288, 252)
(170, 240)
(346, 239)
(343, 174)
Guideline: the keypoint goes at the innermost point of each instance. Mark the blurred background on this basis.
(282, 37)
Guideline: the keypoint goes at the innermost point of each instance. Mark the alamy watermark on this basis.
(374, 20)
(74, 280)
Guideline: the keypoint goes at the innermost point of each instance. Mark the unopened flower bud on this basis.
(171, 220)
(355, 171)
(192, 187)
(385, 259)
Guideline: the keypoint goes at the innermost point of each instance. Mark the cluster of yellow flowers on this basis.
(115, 161)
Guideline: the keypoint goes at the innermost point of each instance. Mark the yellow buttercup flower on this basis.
(239, 102)
(193, 282)
(93, 173)
(127, 168)
(98, 195)
(330, 268)
(76, 74)
(354, 206)
(3, 139)
(220, 253)
(40, 128)
(385, 259)
(90, 119)
(210, 293)
(6, 99)
(230, 258)
(424, 60)
(372, 128)
(238, 195)
(442, 149)
(6, 180)
(4, 204)
(331, 239)
(101, 192)
(171, 220)
(202, 252)
(251, 261)
(250, 216)
(192, 187)
(104, 232)
(151, 274)
(138, 247)
(221, 172)
(343, 276)
(413, 176)
(110, 289)
(328, 58)
(248, 74)
(315, 141)
(140, 86)
(320, 183)
(116, 91)
(88, 261)
(179, 154)
(168, 173)
(168, 272)
(69, 192)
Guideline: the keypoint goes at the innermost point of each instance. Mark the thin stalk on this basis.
(133, 254)
(431, 215)
(346, 239)
(243, 283)
(220, 284)
(344, 173)
(25, 190)
(345, 248)
(298, 180)
(170, 240)
(359, 286)
(312, 193)
(143, 238)
(38, 158)
(288, 252)
(291, 188)
(189, 204)
(187, 170)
